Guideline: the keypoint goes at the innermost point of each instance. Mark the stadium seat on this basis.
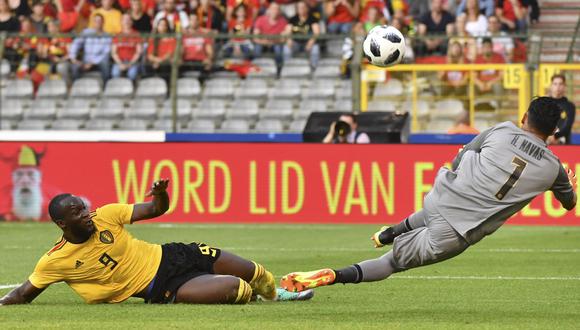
(344, 90)
(165, 125)
(265, 72)
(243, 109)
(422, 108)
(52, 89)
(218, 89)
(447, 109)
(188, 88)
(269, 126)
(143, 108)
(76, 109)
(320, 89)
(334, 47)
(327, 72)
(225, 75)
(110, 109)
(12, 109)
(19, 89)
(252, 89)
(295, 72)
(183, 110)
(100, 124)
(297, 62)
(6, 125)
(344, 105)
(67, 124)
(192, 74)
(391, 88)
(41, 109)
(481, 124)
(439, 125)
(86, 88)
(277, 109)
(331, 61)
(210, 109)
(121, 88)
(4, 68)
(297, 126)
(308, 106)
(285, 89)
(379, 105)
(152, 88)
(34, 125)
(134, 125)
(235, 126)
(201, 126)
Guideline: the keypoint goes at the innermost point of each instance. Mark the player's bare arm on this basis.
(157, 206)
(21, 295)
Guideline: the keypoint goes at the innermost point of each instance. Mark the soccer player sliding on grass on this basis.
(492, 178)
(100, 260)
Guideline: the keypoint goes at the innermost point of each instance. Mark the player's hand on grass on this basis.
(158, 187)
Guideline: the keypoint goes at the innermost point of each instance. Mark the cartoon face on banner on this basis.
(25, 196)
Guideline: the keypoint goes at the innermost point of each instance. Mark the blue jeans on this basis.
(277, 49)
(131, 73)
(103, 67)
(339, 28)
(301, 47)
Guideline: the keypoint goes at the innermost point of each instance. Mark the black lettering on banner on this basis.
(106, 259)
(520, 164)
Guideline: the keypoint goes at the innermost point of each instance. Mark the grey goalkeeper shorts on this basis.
(435, 242)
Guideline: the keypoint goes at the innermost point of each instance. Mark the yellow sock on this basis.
(263, 282)
(244, 293)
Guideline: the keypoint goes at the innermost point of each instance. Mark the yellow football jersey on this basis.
(110, 266)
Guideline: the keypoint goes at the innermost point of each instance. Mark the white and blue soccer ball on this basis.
(384, 46)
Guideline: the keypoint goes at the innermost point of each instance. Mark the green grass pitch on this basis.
(521, 277)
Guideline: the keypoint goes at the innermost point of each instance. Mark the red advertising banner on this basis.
(243, 182)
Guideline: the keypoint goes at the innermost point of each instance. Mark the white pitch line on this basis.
(370, 249)
(488, 278)
(9, 286)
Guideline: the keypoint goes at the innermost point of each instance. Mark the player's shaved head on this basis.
(56, 206)
(543, 115)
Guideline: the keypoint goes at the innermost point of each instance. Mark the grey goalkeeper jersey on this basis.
(495, 176)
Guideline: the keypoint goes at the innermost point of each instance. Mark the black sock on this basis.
(402, 227)
(350, 274)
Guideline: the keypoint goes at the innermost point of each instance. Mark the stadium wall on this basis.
(248, 182)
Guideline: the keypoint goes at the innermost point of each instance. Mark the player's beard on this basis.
(27, 202)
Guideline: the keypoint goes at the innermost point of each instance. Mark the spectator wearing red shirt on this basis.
(512, 14)
(148, 6)
(197, 48)
(271, 23)
(160, 50)
(252, 8)
(126, 50)
(73, 14)
(341, 15)
(488, 81)
(241, 24)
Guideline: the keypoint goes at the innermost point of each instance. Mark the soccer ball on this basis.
(384, 46)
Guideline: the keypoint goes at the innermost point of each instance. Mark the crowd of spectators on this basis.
(109, 33)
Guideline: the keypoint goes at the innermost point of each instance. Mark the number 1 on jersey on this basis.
(520, 164)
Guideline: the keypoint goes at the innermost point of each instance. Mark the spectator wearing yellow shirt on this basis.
(111, 15)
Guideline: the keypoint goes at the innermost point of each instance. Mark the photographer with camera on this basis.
(344, 131)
